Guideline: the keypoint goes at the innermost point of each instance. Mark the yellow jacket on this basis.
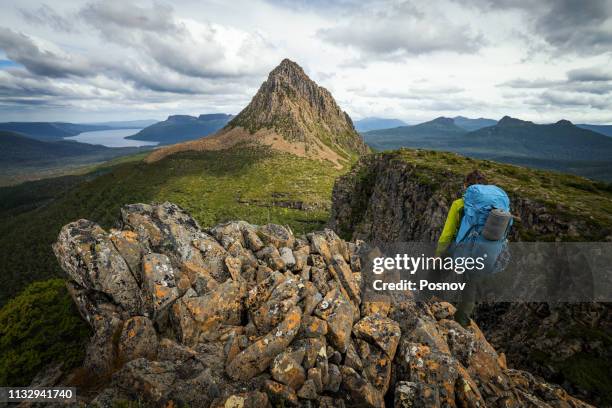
(451, 226)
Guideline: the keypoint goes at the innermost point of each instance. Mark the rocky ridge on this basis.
(241, 315)
(290, 113)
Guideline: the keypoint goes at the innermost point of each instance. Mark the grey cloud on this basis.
(530, 83)
(583, 27)
(402, 29)
(46, 15)
(156, 33)
(108, 16)
(22, 49)
(590, 74)
(577, 24)
(568, 99)
(592, 80)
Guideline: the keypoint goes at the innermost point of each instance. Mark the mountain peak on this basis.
(291, 113)
(564, 122)
(180, 118)
(299, 110)
(288, 65)
(510, 121)
(443, 121)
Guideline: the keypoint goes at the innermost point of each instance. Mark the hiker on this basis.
(477, 224)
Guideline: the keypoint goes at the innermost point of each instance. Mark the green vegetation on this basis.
(587, 371)
(254, 184)
(566, 195)
(590, 373)
(38, 327)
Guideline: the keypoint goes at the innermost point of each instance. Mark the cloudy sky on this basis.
(415, 60)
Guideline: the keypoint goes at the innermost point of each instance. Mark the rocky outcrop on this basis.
(290, 113)
(402, 196)
(251, 316)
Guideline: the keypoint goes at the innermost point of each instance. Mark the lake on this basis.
(111, 138)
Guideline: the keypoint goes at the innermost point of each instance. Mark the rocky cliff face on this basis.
(389, 198)
(251, 316)
(402, 196)
(291, 113)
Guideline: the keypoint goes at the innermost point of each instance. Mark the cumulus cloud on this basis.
(194, 49)
(148, 52)
(400, 29)
(582, 26)
(595, 74)
(41, 58)
(568, 26)
(588, 88)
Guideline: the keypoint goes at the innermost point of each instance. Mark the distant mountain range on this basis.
(473, 124)
(558, 146)
(180, 128)
(373, 123)
(603, 129)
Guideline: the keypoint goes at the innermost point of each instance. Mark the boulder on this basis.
(89, 257)
(379, 330)
(257, 357)
(199, 318)
(276, 235)
(280, 395)
(361, 391)
(337, 311)
(138, 339)
(287, 370)
(158, 283)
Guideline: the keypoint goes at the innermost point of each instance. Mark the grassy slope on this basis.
(213, 186)
(568, 194)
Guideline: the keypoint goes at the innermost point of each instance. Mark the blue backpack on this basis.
(479, 200)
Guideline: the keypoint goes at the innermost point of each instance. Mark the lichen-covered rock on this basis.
(287, 370)
(158, 281)
(250, 316)
(138, 339)
(276, 235)
(203, 317)
(362, 393)
(153, 380)
(379, 330)
(257, 357)
(336, 310)
(252, 399)
(88, 255)
(280, 395)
